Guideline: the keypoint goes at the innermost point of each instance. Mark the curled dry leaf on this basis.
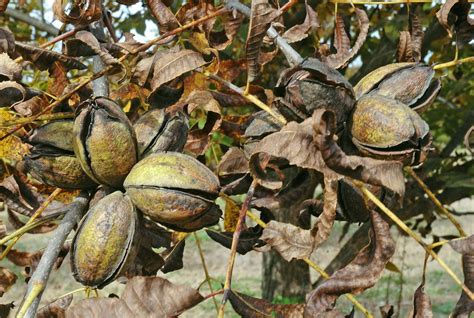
(409, 45)
(453, 12)
(288, 240)
(251, 307)
(465, 306)
(55, 309)
(7, 279)
(362, 273)
(261, 16)
(421, 303)
(7, 42)
(79, 12)
(9, 69)
(142, 297)
(469, 139)
(301, 31)
(202, 107)
(323, 226)
(91, 41)
(221, 39)
(166, 19)
(377, 172)
(11, 93)
(43, 58)
(173, 64)
(342, 44)
(404, 48)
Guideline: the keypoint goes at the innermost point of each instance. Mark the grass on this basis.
(247, 274)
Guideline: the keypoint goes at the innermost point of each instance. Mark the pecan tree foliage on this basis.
(153, 135)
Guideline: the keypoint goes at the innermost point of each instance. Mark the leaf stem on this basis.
(38, 212)
(369, 195)
(206, 271)
(251, 98)
(318, 269)
(435, 200)
(235, 242)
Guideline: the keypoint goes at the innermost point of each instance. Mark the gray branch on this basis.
(100, 86)
(15, 14)
(293, 57)
(75, 211)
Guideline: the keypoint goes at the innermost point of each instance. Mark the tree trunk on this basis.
(282, 279)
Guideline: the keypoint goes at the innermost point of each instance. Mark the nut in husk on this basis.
(52, 160)
(158, 131)
(384, 128)
(409, 83)
(313, 85)
(106, 241)
(174, 189)
(104, 141)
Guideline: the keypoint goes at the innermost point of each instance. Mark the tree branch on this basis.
(293, 57)
(18, 15)
(100, 86)
(40, 277)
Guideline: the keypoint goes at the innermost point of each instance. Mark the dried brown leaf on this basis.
(142, 297)
(404, 48)
(250, 307)
(91, 41)
(344, 53)
(9, 69)
(261, 16)
(7, 42)
(465, 306)
(43, 58)
(233, 162)
(166, 19)
(18, 196)
(421, 303)
(3, 5)
(200, 104)
(301, 31)
(171, 65)
(294, 142)
(58, 80)
(79, 12)
(288, 240)
(11, 93)
(463, 245)
(323, 226)
(417, 34)
(55, 309)
(221, 39)
(362, 273)
(377, 172)
(7, 279)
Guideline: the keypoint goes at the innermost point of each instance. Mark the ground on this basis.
(247, 272)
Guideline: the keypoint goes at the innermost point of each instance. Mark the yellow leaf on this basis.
(231, 215)
(11, 148)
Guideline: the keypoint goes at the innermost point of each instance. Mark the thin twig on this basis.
(369, 195)
(435, 200)
(45, 117)
(293, 57)
(35, 215)
(40, 277)
(235, 242)
(318, 269)
(251, 98)
(204, 267)
(60, 37)
(109, 67)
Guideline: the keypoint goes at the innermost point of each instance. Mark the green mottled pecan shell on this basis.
(57, 168)
(409, 83)
(104, 141)
(106, 241)
(386, 128)
(57, 133)
(172, 188)
(157, 131)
